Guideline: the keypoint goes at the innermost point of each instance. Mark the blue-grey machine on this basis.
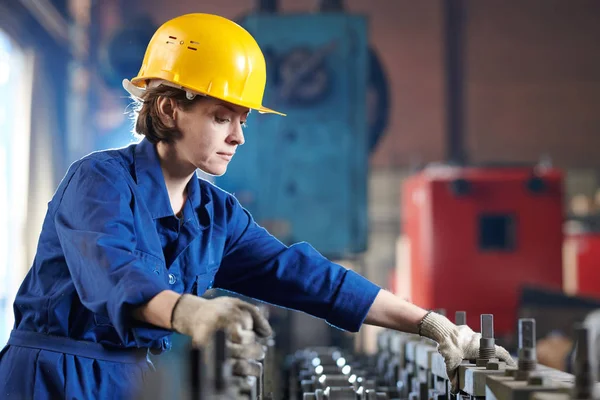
(304, 176)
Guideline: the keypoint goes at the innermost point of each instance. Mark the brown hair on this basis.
(147, 115)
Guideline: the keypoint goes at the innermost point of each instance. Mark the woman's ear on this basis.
(166, 110)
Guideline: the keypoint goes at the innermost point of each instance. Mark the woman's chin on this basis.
(213, 170)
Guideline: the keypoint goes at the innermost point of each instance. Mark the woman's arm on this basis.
(393, 312)
(257, 265)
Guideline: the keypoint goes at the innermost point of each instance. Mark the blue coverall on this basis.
(111, 242)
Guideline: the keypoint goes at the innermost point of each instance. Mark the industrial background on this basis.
(447, 150)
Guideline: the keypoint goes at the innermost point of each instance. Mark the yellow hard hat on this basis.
(208, 55)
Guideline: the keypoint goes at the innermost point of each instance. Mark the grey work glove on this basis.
(456, 343)
(241, 367)
(244, 349)
(242, 322)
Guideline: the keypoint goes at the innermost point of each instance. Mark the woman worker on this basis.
(132, 238)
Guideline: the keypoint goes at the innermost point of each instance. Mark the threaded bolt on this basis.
(487, 345)
(460, 318)
(527, 355)
(486, 354)
(526, 365)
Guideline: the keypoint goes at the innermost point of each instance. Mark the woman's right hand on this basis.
(457, 343)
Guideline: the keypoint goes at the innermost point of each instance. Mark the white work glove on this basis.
(242, 322)
(456, 343)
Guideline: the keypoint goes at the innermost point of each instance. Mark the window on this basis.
(15, 106)
(497, 232)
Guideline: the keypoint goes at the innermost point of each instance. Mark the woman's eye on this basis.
(221, 120)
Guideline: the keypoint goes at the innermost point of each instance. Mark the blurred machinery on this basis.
(581, 255)
(555, 313)
(55, 32)
(121, 51)
(405, 367)
(314, 161)
(475, 236)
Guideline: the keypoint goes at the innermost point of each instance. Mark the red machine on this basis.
(476, 235)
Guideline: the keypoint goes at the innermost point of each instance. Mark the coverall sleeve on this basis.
(257, 265)
(94, 222)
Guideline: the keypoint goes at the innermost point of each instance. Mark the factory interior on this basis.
(444, 151)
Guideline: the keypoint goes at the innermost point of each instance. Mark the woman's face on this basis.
(211, 131)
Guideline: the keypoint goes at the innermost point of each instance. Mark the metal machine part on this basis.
(409, 367)
(527, 359)
(205, 374)
(460, 318)
(487, 344)
(528, 378)
(329, 373)
(582, 365)
(533, 381)
(472, 378)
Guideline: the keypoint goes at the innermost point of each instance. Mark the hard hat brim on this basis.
(265, 110)
(136, 91)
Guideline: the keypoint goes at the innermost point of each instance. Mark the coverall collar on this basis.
(152, 184)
